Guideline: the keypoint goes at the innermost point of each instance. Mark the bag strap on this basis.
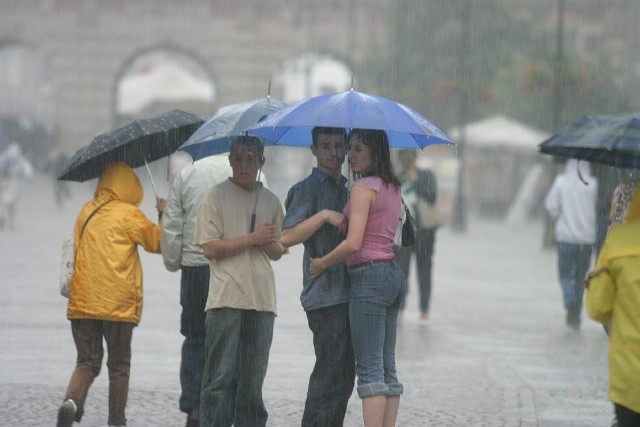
(404, 205)
(85, 224)
(91, 216)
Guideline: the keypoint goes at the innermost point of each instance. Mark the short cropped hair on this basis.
(325, 130)
(253, 143)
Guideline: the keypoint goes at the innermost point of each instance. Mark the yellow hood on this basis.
(121, 181)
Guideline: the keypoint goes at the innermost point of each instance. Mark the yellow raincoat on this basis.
(613, 294)
(107, 280)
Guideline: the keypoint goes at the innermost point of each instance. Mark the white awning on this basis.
(500, 132)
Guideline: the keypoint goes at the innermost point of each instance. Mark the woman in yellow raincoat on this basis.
(613, 295)
(106, 288)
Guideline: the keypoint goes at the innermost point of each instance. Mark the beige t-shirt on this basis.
(244, 280)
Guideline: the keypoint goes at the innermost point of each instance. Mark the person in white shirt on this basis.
(180, 253)
(571, 202)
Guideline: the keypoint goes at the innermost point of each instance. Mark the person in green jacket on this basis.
(613, 295)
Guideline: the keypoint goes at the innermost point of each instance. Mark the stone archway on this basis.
(311, 74)
(163, 78)
(306, 75)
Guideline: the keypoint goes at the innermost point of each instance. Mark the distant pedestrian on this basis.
(15, 168)
(314, 217)
(238, 226)
(105, 301)
(180, 253)
(377, 283)
(407, 177)
(613, 297)
(571, 202)
(57, 161)
(428, 219)
(419, 192)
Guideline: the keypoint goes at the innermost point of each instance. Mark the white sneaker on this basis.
(66, 414)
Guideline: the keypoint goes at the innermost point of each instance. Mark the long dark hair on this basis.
(378, 143)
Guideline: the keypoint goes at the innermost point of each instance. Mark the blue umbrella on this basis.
(405, 127)
(215, 135)
(612, 140)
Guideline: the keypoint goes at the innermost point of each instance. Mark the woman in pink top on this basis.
(377, 283)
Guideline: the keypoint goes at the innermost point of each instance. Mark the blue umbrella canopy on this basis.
(405, 127)
(215, 135)
(612, 140)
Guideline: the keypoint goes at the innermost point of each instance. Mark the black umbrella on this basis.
(612, 140)
(136, 143)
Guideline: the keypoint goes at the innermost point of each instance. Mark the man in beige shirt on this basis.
(238, 226)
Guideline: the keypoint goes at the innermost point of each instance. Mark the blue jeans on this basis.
(194, 289)
(333, 376)
(573, 264)
(376, 293)
(237, 348)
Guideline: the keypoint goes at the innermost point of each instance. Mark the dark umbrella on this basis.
(135, 143)
(612, 140)
(215, 135)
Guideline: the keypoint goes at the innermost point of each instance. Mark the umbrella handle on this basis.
(255, 206)
(151, 178)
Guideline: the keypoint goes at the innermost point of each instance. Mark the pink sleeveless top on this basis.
(377, 243)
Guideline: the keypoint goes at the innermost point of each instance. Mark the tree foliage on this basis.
(491, 62)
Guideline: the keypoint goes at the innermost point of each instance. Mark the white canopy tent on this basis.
(500, 132)
(502, 165)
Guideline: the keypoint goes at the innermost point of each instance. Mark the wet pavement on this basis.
(496, 353)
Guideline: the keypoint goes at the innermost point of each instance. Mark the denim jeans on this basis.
(573, 264)
(376, 293)
(333, 376)
(194, 289)
(88, 335)
(237, 348)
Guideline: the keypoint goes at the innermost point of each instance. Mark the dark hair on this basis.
(381, 165)
(324, 130)
(251, 142)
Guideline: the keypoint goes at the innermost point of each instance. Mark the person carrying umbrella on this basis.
(613, 297)
(105, 301)
(377, 282)
(241, 305)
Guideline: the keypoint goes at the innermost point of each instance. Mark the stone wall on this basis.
(242, 44)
